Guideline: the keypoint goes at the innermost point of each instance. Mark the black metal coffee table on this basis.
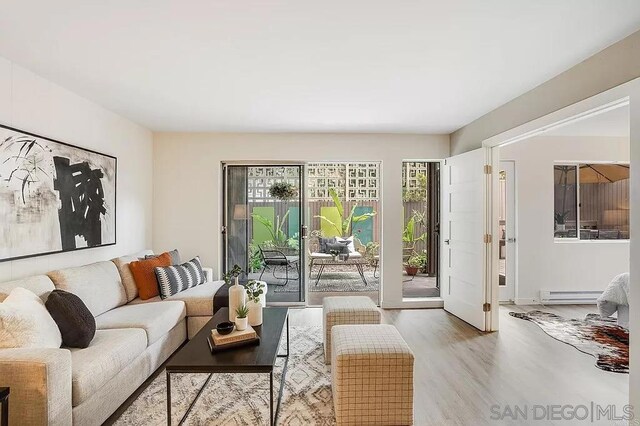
(196, 357)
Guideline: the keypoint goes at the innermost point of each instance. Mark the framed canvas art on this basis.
(54, 197)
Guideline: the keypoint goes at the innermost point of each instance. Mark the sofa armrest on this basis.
(208, 274)
(40, 382)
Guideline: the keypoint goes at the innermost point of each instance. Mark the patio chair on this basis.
(273, 259)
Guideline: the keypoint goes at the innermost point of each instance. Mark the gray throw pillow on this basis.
(341, 247)
(323, 243)
(175, 257)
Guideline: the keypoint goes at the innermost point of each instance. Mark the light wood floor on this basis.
(460, 372)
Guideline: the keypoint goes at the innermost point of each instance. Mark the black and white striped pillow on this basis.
(177, 278)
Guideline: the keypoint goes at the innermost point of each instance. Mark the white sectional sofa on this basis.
(133, 338)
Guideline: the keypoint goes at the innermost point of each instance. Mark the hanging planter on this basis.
(283, 191)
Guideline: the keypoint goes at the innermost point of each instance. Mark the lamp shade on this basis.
(240, 212)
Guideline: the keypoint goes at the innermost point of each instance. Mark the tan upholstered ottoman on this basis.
(340, 310)
(372, 376)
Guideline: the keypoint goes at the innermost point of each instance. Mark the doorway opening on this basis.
(344, 208)
(264, 228)
(421, 229)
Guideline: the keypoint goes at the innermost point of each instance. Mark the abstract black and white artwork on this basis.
(54, 197)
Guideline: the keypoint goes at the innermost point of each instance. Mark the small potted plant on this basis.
(414, 264)
(255, 291)
(242, 320)
(560, 220)
(283, 191)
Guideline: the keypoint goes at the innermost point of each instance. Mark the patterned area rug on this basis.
(242, 399)
(598, 337)
(343, 281)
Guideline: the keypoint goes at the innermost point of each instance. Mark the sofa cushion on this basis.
(145, 276)
(109, 353)
(156, 318)
(73, 318)
(41, 285)
(199, 299)
(98, 285)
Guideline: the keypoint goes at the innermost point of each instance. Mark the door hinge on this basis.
(488, 169)
(488, 239)
(486, 307)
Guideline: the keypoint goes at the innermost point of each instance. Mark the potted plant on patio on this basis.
(242, 313)
(255, 291)
(414, 264)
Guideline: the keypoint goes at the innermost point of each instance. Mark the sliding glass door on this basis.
(264, 227)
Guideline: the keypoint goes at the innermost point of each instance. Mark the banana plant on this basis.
(409, 234)
(343, 228)
(278, 236)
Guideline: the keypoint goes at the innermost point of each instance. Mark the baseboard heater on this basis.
(569, 297)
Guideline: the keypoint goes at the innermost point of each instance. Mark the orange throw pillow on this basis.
(145, 276)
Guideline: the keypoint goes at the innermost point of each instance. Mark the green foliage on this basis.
(242, 311)
(418, 194)
(236, 271)
(254, 290)
(372, 249)
(255, 259)
(283, 191)
(294, 242)
(417, 260)
(344, 227)
(416, 222)
(278, 237)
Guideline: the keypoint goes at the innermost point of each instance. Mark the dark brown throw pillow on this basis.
(74, 319)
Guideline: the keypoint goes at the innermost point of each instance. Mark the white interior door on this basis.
(464, 247)
(507, 253)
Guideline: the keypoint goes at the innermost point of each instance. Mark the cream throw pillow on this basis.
(26, 323)
(351, 245)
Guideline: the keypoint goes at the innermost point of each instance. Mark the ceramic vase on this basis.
(241, 323)
(255, 313)
(237, 297)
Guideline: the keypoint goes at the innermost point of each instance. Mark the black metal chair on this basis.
(273, 259)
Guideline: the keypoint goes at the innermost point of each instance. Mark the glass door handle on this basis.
(303, 231)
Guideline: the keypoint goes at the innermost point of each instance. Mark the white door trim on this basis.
(507, 293)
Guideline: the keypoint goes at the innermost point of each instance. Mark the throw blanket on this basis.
(221, 298)
(616, 294)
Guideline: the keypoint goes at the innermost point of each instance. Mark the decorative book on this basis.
(218, 342)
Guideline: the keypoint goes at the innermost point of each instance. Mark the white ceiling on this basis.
(615, 123)
(300, 65)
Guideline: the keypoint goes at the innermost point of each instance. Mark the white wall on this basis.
(543, 263)
(31, 103)
(187, 189)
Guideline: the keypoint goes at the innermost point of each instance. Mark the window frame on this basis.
(577, 239)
